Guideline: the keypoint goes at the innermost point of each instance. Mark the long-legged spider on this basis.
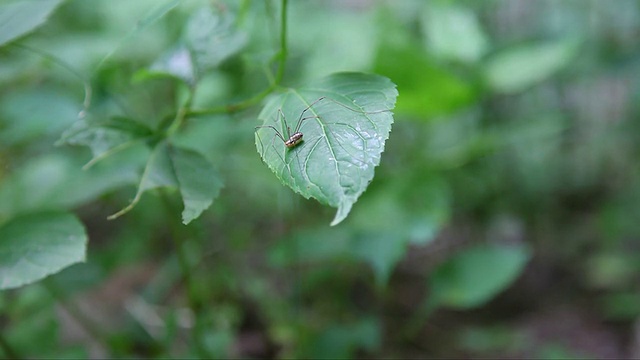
(295, 137)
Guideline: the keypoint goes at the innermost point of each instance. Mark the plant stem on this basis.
(78, 316)
(45, 55)
(420, 317)
(231, 108)
(185, 268)
(182, 112)
(281, 57)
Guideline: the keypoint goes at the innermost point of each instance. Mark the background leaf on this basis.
(516, 69)
(342, 142)
(453, 32)
(27, 114)
(57, 181)
(105, 137)
(477, 274)
(187, 170)
(212, 37)
(199, 182)
(20, 17)
(34, 246)
(157, 173)
(428, 92)
(176, 62)
(553, 164)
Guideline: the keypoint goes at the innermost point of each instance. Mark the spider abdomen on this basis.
(294, 140)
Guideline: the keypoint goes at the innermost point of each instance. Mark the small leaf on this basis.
(199, 182)
(407, 211)
(432, 91)
(516, 69)
(174, 63)
(453, 32)
(212, 37)
(20, 17)
(56, 181)
(187, 170)
(476, 275)
(341, 341)
(347, 120)
(104, 137)
(27, 114)
(156, 14)
(312, 246)
(158, 173)
(152, 15)
(34, 246)
(381, 251)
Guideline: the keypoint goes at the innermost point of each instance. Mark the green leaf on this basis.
(433, 90)
(105, 137)
(453, 32)
(27, 115)
(169, 166)
(518, 68)
(156, 14)
(212, 37)
(406, 211)
(20, 17)
(413, 208)
(381, 251)
(37, 245)
(57, 181)
(158, 173)
(340, 341)
(474, 276)
(175, 63)
(152, 15)
(199, 182)
(350, 44)
(312, 246)
(348, 120)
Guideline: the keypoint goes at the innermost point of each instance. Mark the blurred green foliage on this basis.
(502, 220)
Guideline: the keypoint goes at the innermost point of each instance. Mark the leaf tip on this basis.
(343, 210)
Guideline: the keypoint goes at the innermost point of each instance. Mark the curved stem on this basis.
(181, 115)
(275, 82)
(231, 108)
(282, 58)
(195, 303)
(91, 328)
(428, 307)
(45, 55)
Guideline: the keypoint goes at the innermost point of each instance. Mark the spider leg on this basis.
(274, 129)
(284, 121)
(272, 146)
(350, 108)
(300, 119)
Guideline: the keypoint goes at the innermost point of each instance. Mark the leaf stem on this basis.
(45, 55)
(231, 108)
(182, 112)
(281, 57)
(77, 315)
(428, 307)
(177, 236)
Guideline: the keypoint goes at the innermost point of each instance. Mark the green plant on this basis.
(158, 211)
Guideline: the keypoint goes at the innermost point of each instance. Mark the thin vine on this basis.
(280, 57)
